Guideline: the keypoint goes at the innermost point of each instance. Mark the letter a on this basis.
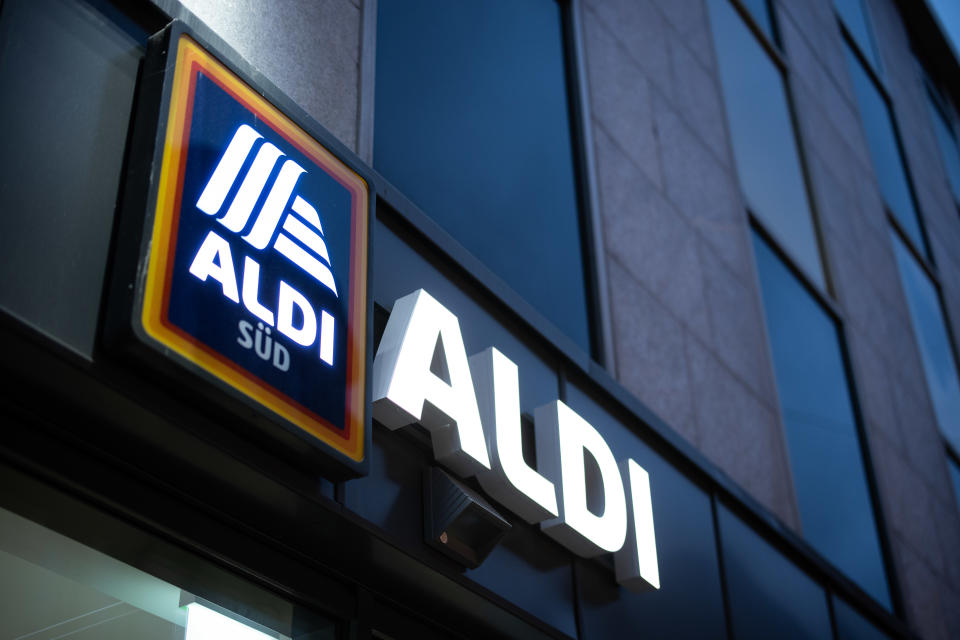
(406, 389)
(214, 260)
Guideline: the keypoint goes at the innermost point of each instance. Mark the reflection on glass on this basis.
(887, 160)
(764, 144)
(935, 348)
(948, 146)
(769, 596)
(472, 124)
(854, 16)
(836, 513)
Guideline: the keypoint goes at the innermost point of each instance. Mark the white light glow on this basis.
(206, 624)
(405, 390)
(636, 563)
(563, 441)
(510, 480)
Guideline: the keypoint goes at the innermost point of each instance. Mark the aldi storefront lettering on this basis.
(251, 275)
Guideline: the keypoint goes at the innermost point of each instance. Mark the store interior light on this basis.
(204, 623)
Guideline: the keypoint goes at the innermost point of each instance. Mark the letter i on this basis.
(326, 337)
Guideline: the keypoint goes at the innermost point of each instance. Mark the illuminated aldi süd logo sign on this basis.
(253, 269)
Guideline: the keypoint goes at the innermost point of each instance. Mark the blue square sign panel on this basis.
(254, 270)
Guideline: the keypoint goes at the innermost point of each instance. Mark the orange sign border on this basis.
(192, 59)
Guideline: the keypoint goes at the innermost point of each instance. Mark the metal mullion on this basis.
(783, 64)
(930, 271)
(898, 140)
(591, 241)
(796, 270)
(721, 565)
(928, 267)
(771, 48)
(881, 522)
(864, 62)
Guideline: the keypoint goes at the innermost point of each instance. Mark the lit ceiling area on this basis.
(56, 588)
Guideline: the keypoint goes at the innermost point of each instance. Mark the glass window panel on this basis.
(836, 513)
(955, 477)
(948, 146)
(935, 347)
(769, 596)
(885, 151)
(472, 123)
(764, 143)
(68, 73)
(854, 16)
(760, 10)
(853, 626)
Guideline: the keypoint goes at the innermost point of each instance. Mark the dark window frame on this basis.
(774, 49)
(875, 73)
(837, 316)
(941, 105)
(952, 339)
(880, 85)
(923, 256)
(589, 223)
(772, 46)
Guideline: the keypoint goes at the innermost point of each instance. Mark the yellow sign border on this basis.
(191, 59)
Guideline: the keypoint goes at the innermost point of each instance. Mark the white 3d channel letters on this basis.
(563, 440)
(636, 562)
(406, 390)
(510, 480)
(474, 420)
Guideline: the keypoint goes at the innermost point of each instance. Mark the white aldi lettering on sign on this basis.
(474, 420)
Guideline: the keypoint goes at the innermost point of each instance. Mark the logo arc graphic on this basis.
(301, 233)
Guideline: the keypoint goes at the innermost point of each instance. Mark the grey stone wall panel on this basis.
(309, 48)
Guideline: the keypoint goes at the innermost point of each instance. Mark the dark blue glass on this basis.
(933, 340)
(948, 146)
(955, 477)
(760, 9)
(769, 596)
(686, 551)
(836, 512)
(854, 16)
(764, 143)
(885, 151)
(853, 626)
(472, 124)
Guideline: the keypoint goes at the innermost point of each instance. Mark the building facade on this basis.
(725, 233)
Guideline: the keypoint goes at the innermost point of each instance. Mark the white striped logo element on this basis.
(311, 253)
